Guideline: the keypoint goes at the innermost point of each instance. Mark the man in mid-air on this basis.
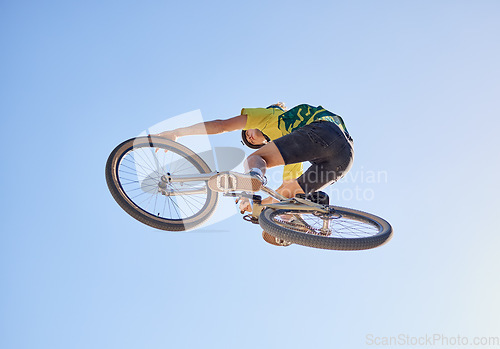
(303, 133)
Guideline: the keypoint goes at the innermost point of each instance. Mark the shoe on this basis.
(319, 197)
(234, 181)
(273, 240)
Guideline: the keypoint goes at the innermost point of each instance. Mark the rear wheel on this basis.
(343, 229)
(133, 173)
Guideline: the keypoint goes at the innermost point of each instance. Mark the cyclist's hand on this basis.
(168, 135)
(245, 205)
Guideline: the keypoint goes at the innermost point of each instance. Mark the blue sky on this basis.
(417, 83)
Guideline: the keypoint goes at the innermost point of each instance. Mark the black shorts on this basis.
(325, 146)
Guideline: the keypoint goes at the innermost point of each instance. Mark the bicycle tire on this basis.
(291, 232)
(116, 187)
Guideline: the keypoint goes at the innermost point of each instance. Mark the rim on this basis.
(139, 170)
(339, 225)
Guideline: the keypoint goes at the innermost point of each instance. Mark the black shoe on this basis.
(318, 197)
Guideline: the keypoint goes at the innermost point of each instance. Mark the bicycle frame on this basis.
(283, 202)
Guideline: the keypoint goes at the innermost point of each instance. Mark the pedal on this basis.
(251, 219)
(234, 181)
(226, 182)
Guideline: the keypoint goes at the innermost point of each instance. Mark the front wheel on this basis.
(134, 172)
(343, 229)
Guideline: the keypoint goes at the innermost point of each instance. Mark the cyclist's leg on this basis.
(256, 163)
(266, 157)
(325, 146)
(322, 174)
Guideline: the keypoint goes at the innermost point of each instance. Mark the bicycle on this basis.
(163, 184)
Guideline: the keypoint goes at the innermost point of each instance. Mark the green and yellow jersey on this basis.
(275, 123)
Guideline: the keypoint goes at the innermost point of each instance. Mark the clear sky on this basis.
(417, 83)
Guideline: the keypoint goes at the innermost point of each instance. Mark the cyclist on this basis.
(303, 133)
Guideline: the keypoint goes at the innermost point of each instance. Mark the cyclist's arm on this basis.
(288, 189)
(208, 128)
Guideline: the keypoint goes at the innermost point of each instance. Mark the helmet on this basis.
(250, 145)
